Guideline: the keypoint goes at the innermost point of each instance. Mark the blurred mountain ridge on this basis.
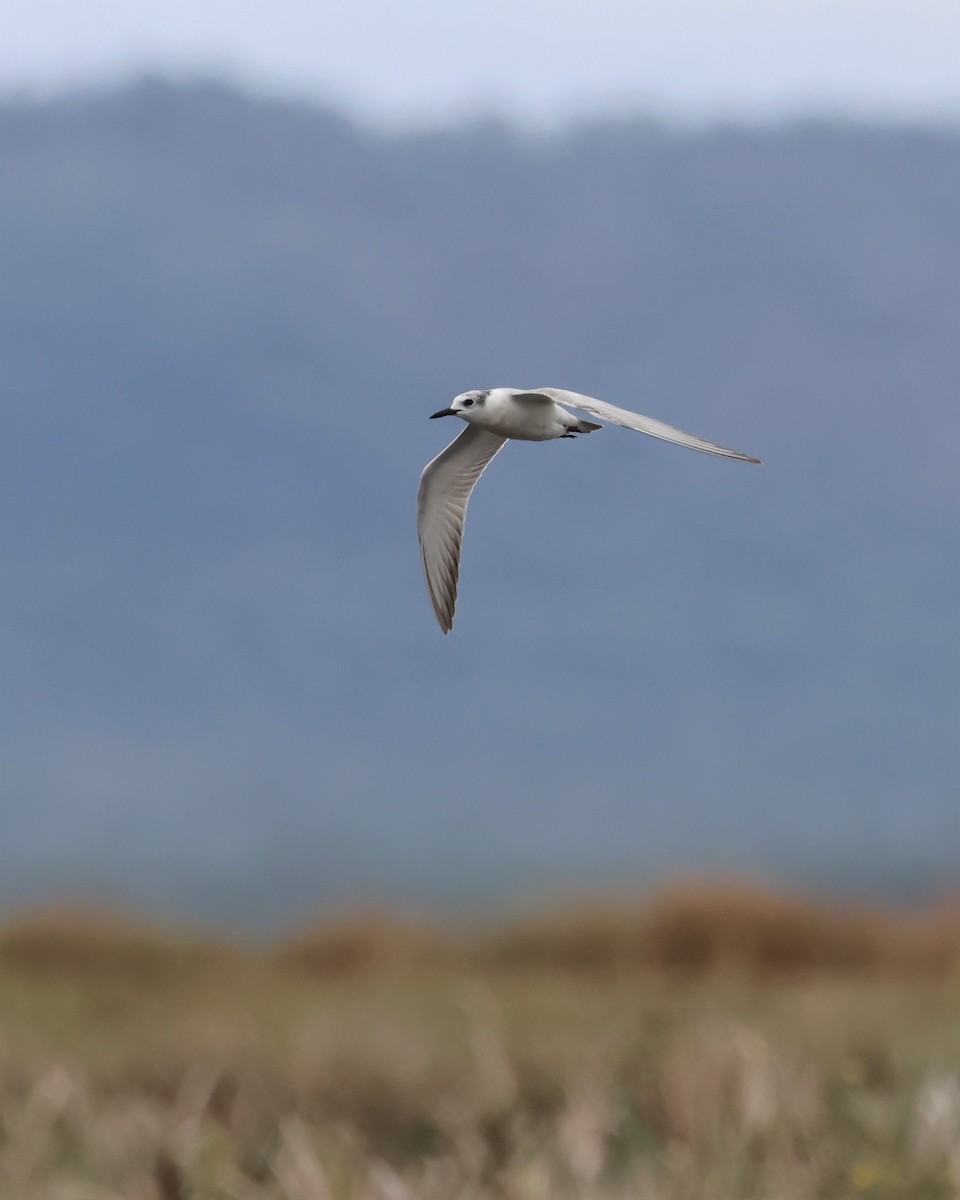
(223, 322)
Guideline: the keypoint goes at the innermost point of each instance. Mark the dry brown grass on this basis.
(705, 928)
(694, 930)
(373, 1061)
(364, 941)
(85, 941)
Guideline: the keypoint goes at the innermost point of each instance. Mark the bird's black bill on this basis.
(444, 412)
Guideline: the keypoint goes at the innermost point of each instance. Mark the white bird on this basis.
(492, 417)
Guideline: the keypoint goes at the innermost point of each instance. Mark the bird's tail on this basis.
(586, 427)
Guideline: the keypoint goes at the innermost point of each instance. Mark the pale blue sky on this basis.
(537, 60)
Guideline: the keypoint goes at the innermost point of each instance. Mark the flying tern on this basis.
(492, 418)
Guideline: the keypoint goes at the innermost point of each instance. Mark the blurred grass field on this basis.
(710, 1043)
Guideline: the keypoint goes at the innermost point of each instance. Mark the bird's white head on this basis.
(463, 406)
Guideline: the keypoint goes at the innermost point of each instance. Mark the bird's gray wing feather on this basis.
(445, 487)
(632, 420)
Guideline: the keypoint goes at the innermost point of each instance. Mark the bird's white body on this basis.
(500, 411)
(493, 417)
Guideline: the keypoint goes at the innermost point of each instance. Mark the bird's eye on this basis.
(467, 403)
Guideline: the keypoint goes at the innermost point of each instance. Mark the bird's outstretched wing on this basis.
(445, 487)
(632, 420)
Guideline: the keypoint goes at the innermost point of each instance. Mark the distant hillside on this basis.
(223, 322)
